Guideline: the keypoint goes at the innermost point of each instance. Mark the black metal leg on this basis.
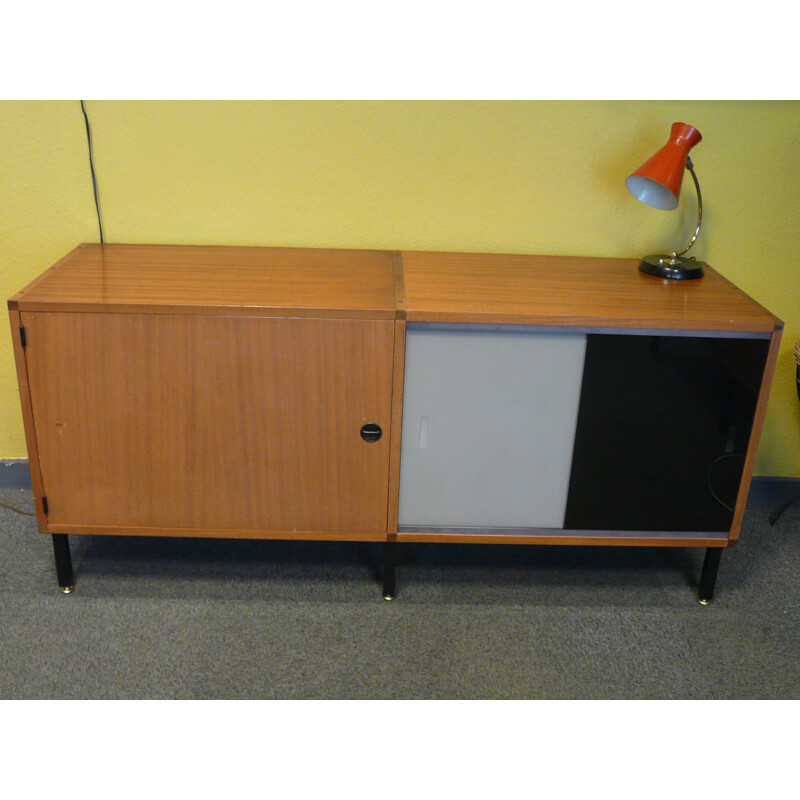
(389, 564)
(63, 562)
(708, 576)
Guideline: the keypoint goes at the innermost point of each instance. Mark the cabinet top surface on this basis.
(371, 284)
(205, 279)
(556, 290)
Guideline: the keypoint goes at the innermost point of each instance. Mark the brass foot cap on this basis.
(703, 602)
(66, 589)
(388, 597)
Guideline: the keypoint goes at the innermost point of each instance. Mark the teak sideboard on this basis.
(389, 396)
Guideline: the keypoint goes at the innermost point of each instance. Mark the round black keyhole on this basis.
(371, 432)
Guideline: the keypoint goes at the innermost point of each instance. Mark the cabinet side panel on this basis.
(218, 423)
(488, 427)
(27, 417)
(397, 424)
(755, 436)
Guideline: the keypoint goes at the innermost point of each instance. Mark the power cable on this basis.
(18, 510)
(91, 167)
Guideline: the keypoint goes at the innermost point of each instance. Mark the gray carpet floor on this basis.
(199, 618)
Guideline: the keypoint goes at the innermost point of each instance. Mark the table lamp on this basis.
(658, 184)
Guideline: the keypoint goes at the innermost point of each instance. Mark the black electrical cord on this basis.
(713, 464)
(797, 368)
(91, 167)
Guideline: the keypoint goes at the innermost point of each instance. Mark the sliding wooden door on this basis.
(211, 425)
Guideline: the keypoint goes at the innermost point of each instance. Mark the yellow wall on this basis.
(533, 177)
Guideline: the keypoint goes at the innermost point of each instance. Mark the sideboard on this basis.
(389, 396)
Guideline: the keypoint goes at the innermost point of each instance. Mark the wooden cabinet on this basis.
(213, 391)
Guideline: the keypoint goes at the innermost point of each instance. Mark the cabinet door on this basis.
(211, 423)
(663, 430)
(488, 427)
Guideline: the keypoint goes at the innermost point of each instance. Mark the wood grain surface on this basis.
(206, 422)
(588, 538)
(220, 533)
(260, 281)
(556, 290)
(755, 433)
(28, 419)
(397, 424)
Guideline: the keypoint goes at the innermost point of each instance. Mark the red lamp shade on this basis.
(658, 181)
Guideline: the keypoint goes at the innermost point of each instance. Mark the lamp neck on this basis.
(690, 167)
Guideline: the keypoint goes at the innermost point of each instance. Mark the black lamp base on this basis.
(675, 267)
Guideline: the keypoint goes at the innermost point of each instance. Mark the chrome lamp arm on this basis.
(690, 167)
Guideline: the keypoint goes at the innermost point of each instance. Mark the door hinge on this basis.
(44, 504)
(23, 339)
